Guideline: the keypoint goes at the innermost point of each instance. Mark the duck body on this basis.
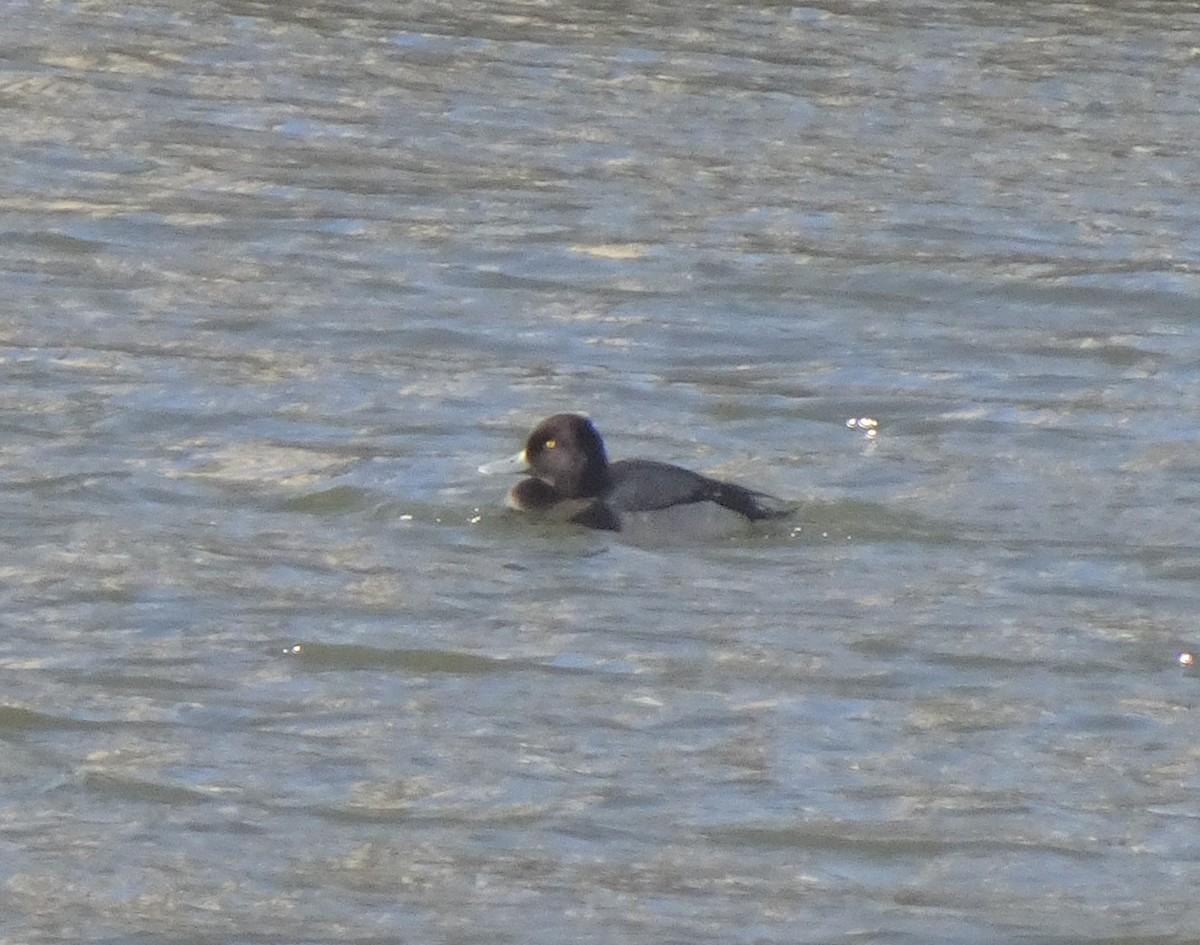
(571, 479)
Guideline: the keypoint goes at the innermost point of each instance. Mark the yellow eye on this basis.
(550, 444)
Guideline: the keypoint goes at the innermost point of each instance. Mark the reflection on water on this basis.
(277, 664)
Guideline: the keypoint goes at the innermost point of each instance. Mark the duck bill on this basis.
(513, 464)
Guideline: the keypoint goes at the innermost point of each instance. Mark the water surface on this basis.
(277, 665)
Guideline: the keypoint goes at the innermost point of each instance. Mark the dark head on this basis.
(566, 452)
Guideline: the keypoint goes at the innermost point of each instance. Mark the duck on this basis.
(570, 479)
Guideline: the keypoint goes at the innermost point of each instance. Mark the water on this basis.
(277, 666)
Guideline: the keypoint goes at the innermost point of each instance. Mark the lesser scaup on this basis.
(572, 480)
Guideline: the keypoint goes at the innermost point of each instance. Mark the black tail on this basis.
(756, 506)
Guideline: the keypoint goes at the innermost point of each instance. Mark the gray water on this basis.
(276, 664)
